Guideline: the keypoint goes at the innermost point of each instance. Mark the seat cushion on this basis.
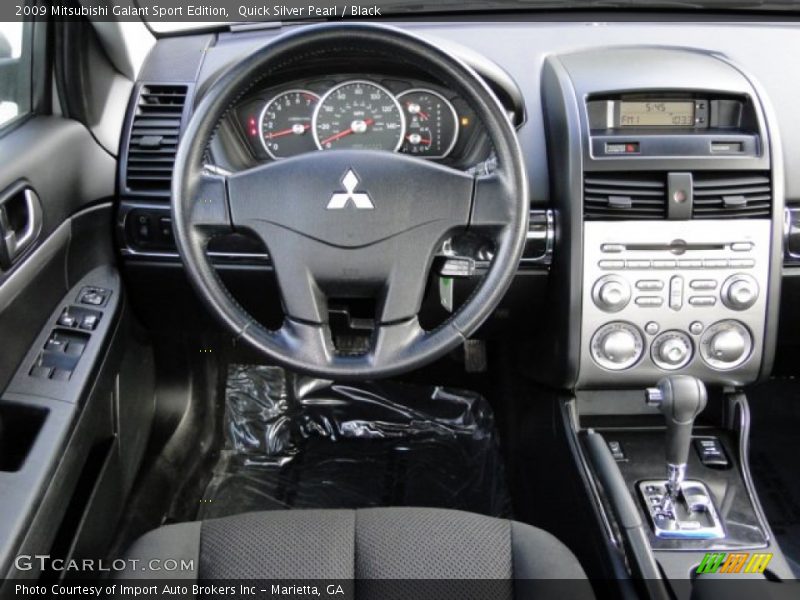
(382, 549)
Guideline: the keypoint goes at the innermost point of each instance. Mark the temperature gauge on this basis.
(431, 123)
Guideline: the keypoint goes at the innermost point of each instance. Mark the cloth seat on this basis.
(383, 553)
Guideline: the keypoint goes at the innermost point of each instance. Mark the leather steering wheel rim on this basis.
(206, 204)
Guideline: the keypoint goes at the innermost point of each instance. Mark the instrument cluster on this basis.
(366, 113)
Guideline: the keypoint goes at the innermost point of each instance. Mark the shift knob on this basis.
(680, 398)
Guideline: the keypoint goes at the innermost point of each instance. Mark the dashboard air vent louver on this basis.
(154, 137)
(624, 196)
(732, 195)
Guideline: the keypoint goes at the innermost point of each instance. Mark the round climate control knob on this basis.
(739, 292)
(617, 346)
(726, 345)
(611, 293)
(672, 350)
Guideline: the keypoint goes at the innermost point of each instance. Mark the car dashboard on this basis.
(659, 241)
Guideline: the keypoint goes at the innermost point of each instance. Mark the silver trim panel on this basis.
(712, 258)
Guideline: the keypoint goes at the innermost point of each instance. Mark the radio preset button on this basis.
(649, 285)
(715, 263)
(612, 248)
(703, 284)
(664, 264)
(703, 300)
(638, 264)
(742, 246)
(742, 263)
(690, 263)
(611, 264)
(649, 301)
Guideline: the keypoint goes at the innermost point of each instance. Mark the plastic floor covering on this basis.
(299, 442)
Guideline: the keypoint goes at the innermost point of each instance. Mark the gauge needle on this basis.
(284, 132)
(421, 140)
(423, 115)
(341, 134)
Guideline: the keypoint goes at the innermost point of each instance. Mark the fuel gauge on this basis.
(431, 123)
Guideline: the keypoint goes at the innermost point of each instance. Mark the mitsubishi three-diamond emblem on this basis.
(359, 200)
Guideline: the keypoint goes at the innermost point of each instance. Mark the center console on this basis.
(668, 199)
(670, 210)
(674, 296)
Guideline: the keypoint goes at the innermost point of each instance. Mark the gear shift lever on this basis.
(680, 398)
(680, 509)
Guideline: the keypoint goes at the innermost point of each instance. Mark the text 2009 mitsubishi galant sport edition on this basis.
(468, 301)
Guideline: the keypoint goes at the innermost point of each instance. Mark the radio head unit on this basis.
(670, 110)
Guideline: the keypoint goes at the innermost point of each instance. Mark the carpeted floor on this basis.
(774, 452)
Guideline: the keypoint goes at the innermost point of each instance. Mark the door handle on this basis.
(20, 222)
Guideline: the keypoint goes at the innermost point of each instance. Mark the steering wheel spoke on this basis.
(490, 207)
(208, 212)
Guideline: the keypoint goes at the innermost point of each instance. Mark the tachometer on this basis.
(286, 123)
(431, 123)
(359, 114)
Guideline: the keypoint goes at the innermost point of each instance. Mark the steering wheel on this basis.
(350, 223)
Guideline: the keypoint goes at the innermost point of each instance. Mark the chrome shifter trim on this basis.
(691, 515)
(675, 476)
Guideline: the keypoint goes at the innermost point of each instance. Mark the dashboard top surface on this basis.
(764, 51)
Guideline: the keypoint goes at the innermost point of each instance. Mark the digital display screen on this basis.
(656, 114)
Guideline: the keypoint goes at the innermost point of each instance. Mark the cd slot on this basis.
(673, 247)
(676, 247)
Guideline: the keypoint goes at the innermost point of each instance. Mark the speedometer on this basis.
(361, 115)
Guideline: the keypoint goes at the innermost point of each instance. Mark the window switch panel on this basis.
(78, 317)
(61, 375)
(75, 348)
(94, 296)
(41, 371)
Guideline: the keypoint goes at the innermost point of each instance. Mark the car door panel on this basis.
(72, 447)
(59, 160)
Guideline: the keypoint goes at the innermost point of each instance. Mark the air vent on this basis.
(732, 195)
(154, 138)
(624, 196)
